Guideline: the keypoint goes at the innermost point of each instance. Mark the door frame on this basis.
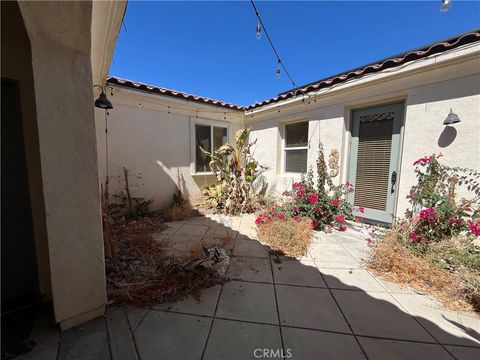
(397, 142)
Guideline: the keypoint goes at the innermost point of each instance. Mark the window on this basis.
(296, 147)
(209, 138)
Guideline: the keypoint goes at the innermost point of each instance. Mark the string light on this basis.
(277, 72)
(259, 30)
(445, 5)
(261, 26)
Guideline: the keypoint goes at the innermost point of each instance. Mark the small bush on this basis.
(288, 237)
(320, 202)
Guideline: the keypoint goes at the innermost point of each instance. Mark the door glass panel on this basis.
(296, 161)
(373, 160)
(202, 138)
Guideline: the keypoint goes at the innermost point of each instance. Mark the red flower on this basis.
(297, 185)
(296, 218)
(414, 237)
(342, 228)
(312, 198)
(359, 219)
(428, 214)
(258, 220)
(335, 202)
(474, 227)
(369, 240)
(423, 160)
(300, 193)
(314, 224)
(340, 218)
(361, 209)
(281, 216)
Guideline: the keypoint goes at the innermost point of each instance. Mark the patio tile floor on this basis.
(324, 306)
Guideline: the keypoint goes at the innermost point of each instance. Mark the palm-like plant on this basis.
(235, 171)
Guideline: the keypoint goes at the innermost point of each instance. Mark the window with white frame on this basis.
(209, 138)
(296, 147)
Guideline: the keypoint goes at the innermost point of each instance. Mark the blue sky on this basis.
(210, 48)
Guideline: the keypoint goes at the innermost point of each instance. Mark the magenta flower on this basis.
(312, 198)
(340, 218)
(335, 202)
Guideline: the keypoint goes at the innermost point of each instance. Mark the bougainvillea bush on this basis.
(316, 200)
(436, 215)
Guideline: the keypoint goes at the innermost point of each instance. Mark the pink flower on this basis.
(369, 240)
(258, 220)
(281, 216)
(423, 160)
(300, 193)
(359, 219)
(296, 218)
(454, 221)
(414, 237)
(335, 202)
(428, 214)
(340, 218)
(474, 227)
(342, 228)
(312, 198)
(297, 185)
(349, 184)
(361, 209)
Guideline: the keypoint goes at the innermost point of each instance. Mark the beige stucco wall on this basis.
(429, 89)
(153, 144)
(60, 35)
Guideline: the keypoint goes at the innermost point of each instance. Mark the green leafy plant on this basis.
(236, 172)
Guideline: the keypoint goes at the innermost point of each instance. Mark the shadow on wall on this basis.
(447, 136)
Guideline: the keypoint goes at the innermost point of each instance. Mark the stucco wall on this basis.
(153, 144)
(429, 90)
(60, 34)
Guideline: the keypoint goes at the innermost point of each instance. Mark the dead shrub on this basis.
(394, 260)
(287, 237)
(179, 212)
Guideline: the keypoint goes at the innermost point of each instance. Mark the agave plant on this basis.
(236, 172)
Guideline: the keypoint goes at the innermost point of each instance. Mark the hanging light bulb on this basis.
(277, 72)
(259, 30)
(445, 5)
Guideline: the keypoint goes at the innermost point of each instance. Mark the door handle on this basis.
(394, 181)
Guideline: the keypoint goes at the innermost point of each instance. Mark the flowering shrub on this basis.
(435, 215)
(321, 203)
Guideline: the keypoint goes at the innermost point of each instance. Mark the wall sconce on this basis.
(102, 102)
(451, 119)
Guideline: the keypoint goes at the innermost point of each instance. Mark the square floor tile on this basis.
(464, 353)
(448, 327)
(354, 279)
(239, 340)
(171, 336)
(379, 349)
(205, 305)
(299, 273)
(312, 344)
(195, 230)
(310, 308)
(248, 301)
(250, 269)
(172, 227)
(330, 252)
(250, 248)
(377, 314)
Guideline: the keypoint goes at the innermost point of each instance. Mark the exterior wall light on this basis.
(102, 102)
(445, 5)
(451, 119)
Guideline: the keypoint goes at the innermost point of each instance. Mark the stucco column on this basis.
(60, 37)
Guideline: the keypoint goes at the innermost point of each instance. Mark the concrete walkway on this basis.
(324, 306)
